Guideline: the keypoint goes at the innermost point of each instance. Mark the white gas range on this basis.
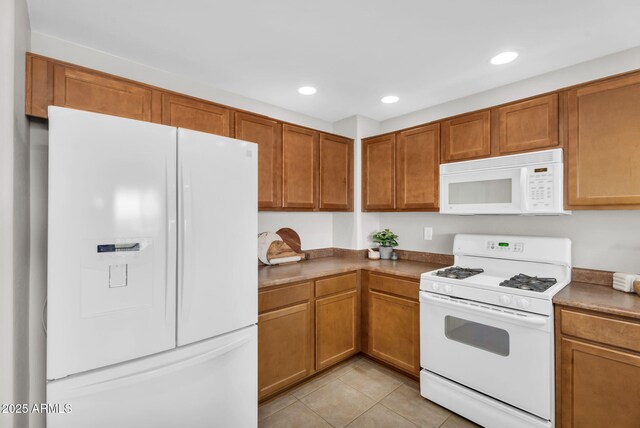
(486, 329)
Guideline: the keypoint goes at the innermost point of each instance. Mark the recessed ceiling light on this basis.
(389, 99)
(504, 58)
(307, 90)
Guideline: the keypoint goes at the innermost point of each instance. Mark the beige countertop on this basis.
(577, 294)
(269, 276)
(599, 298)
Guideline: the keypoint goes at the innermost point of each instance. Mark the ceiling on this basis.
(354, 51)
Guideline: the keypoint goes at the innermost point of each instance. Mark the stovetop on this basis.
(504, 282)
(517, 272)
(457, 272)
(526, 282)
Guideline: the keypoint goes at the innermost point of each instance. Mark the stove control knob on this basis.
(523, 303)
(505, 300)
(448, 289)
(436, 286)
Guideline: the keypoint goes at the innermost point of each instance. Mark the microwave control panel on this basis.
(540, 187)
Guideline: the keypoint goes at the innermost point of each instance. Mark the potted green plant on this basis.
(386, 239)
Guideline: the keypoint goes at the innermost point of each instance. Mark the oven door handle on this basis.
(497, 313)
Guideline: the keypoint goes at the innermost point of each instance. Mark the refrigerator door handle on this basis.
(184, 246)
(167, 368)
(170, 252)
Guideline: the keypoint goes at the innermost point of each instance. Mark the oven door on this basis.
(497, 191)
(502, 353)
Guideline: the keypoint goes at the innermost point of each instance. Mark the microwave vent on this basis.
(545, 157)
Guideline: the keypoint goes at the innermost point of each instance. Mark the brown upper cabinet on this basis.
(336, 173)
(299, 171)
(418, 167)
(379, 173)
(267, 134)
(466, 137)
(604, 144)
(401, 171)
(85, 91)
(191, 113)
(59, 85)
(527, 125)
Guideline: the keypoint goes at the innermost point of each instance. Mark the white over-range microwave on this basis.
(528, 183)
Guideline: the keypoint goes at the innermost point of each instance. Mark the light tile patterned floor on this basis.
(359, 394)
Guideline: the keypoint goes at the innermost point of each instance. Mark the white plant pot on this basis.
(385, 252)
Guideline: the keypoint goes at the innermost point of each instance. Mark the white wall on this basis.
(315, 228)
(7, 25)
(102, 61)
(606, 240)
(14, 212)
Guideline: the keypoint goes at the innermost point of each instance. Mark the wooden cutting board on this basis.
(291, 238)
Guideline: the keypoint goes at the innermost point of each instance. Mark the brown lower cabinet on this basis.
(285, 337)
(306, 327)
(391, 332)
(597, 370)
(337, 319)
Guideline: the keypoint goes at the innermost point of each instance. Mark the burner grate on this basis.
(457, 272)
(526, 282)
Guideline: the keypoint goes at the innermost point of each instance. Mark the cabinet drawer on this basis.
(601, 329)
(391, 285)
(284, 296)
(336, 284)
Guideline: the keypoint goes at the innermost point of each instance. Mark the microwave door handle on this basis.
(529, 320)
(524, 187)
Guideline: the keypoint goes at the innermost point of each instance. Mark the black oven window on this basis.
(478, 335)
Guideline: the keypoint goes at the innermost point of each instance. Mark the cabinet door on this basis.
(39, 86)
(379, 173)
(600, 387)
(285, 347)
(604, 148)
(99, 93)
(528, 125)
(268, 135)
(190, 113)
(394, 331)
(466, 137)
(299, 172)
(336, 173)
(336, 328)
(418, 167)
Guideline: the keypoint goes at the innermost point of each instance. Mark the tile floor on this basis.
(357, 393)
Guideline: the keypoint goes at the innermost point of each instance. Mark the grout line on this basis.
(394, 390)
(314, 412)
(445, 421)
(274, 399)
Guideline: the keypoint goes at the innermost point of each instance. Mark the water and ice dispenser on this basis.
(116, 275)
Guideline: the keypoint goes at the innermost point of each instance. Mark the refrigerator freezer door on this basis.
(217, 235)
(112, 240)
(212, 383)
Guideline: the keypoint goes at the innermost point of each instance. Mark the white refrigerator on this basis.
(152, 275)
